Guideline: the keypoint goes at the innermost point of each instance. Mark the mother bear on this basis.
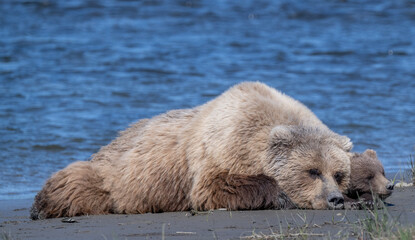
(250, 148)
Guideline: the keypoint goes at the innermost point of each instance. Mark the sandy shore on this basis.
(15, 222)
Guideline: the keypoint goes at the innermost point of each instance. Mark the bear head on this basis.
(368, 176)
(311, 165)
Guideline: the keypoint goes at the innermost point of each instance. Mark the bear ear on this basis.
(344, 143)
(282, 136)
(371, 153)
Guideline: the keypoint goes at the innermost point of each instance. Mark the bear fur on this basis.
(367, 178)
(250, 148)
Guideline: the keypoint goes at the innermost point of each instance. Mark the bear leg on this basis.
(75, 190)
(364, 201)
(240, 192)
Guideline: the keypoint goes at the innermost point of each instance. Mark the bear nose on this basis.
(335, 200)
(390, 186)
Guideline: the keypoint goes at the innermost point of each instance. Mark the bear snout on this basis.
(387, 192)
(390, 186)
(335, 200)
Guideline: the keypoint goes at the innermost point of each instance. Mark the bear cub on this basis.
(367, 180)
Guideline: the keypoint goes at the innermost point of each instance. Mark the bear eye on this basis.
(314, 173)
(338, 177)
(370, 177)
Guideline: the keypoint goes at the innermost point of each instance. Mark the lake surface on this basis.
(74, 73)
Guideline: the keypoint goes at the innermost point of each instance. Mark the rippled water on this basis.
(73, 73)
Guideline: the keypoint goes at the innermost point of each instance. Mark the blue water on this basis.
(73, 73)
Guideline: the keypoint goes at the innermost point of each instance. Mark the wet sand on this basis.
(219, 224)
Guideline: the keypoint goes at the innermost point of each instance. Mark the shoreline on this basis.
(16, 224)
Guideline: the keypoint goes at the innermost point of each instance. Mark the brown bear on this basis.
(250, 148)
(367, 180)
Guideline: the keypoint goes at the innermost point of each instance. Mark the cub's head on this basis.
(311, 165)
(368, 176)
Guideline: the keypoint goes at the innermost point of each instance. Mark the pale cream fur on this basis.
(169, 162)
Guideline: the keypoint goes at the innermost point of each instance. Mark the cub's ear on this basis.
(344, 143)
(282, 136)
(370, 153)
